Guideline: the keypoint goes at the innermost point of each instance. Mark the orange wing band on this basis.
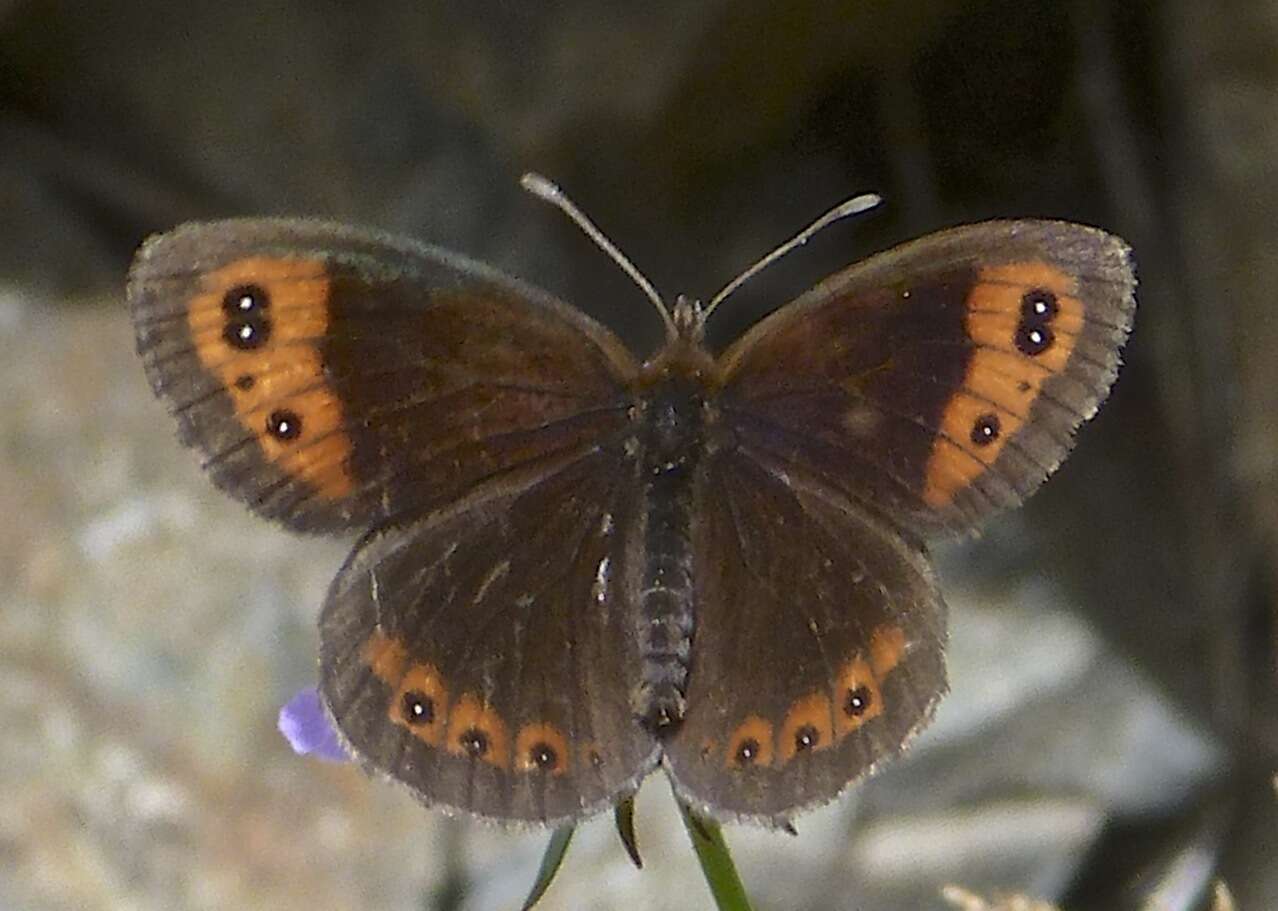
(278, 387)
(1016, 352)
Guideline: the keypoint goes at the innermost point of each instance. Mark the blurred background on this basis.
(1110, 738)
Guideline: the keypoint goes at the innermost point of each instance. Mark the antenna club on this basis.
(540, 186)
(550, 192)
(853, 206)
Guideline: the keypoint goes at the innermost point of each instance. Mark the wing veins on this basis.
(498, 612)
(881, 468)
(767, 584)
(1078, 353)
(888, 601)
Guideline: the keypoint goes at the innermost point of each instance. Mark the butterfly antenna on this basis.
(854, 206)
(539, 186)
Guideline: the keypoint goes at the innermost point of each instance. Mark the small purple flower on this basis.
(306, 727)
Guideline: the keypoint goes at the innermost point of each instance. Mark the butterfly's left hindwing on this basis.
(484, 656)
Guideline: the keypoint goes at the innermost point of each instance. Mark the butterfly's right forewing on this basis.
(942, 381)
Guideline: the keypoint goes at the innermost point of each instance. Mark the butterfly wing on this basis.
(485, 655)
(475, 646)
(920, 390)
(943, 380)
(817, 650)
(333, 377)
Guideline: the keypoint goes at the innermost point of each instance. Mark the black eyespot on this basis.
(284, 425)
(806, 738)
(245, 300)
(595, 759)
(248, 326)
(474, 742)
(247, 333)
(1033, 339)
(857, 702)
(986, 429)
(244, 382)
(543, 755)
(747, 751)
(417, 707)
(1039, 305)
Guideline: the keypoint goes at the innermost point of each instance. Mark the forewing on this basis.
(485, 656)
(943, 380)
(334, 377)
(817, 651)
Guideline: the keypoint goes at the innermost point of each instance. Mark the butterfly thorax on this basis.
(682, 358)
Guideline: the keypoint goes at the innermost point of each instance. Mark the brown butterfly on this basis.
(580, 566)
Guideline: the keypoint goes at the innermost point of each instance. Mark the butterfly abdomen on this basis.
(672, 443)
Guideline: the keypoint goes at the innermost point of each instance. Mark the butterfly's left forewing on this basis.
(333, 377)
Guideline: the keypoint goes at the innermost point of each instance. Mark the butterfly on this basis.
(578, 566)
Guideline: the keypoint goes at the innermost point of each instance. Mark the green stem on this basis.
(550, 862)
(716, 861)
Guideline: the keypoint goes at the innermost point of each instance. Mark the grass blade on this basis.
(716, 861)
(625, 818)
(550, 862)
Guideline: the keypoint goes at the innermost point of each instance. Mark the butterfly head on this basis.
(689, 320)
(684, 355)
